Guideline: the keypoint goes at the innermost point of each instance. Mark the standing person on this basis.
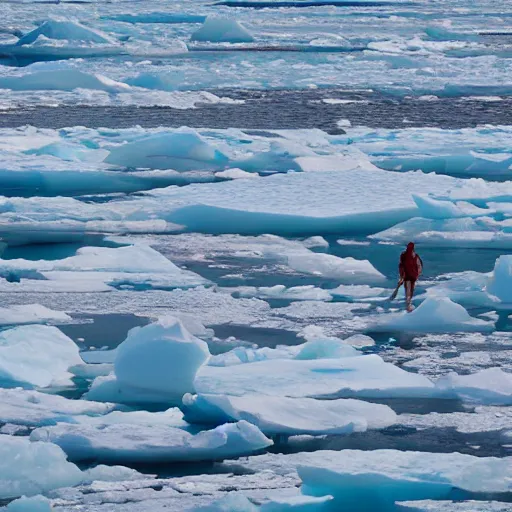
(410, 269)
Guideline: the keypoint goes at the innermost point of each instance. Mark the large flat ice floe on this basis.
(433, 315)
(102, 269)
(156, 443)
(363, 376)
(36, 356)
(374, 480)
(289, 416)
(31, 314)
(337, 202)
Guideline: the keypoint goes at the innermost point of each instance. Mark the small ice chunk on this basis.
(65, 30)
(222, 30)
(159, 360)
(300, 503)
(500, 282)
(232, 502)
(182, 150)
(110, 474)
(36, 355)
(275, 415)
(314, 242)
(236, 174)
(157, 443)
(359, 341)
(434, 315)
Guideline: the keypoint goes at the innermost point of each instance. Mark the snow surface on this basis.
(156, 443)
(36, 356)
(222, 30)
(291, 416)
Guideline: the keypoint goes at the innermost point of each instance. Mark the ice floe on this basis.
(32, 408)
(222, 30)
(156, 443)
(181, 150)
(31, 314)
(33, 468)
(156, 363)
(433, 315)
(34, 504)
(36, 356)
(289, 416)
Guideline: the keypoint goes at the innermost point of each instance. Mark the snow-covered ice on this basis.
(31, 314)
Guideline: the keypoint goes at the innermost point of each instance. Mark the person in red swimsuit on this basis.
(410, 268)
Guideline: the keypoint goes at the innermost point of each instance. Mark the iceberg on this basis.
(489, 386)
(65, 30)
(150, 444)
(31, 314)
(434, 315)
(156, 363)
(349, 377)
(180, 150)
(36, 356)
(32, 408)
(275, 415)
(31, 468)
(222, 30)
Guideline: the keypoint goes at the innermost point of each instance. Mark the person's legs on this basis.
(409, 292)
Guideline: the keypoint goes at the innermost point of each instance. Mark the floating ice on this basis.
(355, 377)
(61, 80)
(181, 150)
(374, 480)
(299, 503)
(290, 416)
(490, 386)
(158, 443)
(500, 282)
(34, 504)
(29, 468)
(460, 233)
(222, 30)
(31, 408)
(93, 268)
(36, 355)
(31, 314)
(156, 363)
(66, 30)
(314, 242)
(307, 292)
(433, 315)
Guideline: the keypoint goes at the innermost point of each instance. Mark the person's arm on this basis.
(420, 265)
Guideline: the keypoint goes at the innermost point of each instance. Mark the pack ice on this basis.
(222, 30)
